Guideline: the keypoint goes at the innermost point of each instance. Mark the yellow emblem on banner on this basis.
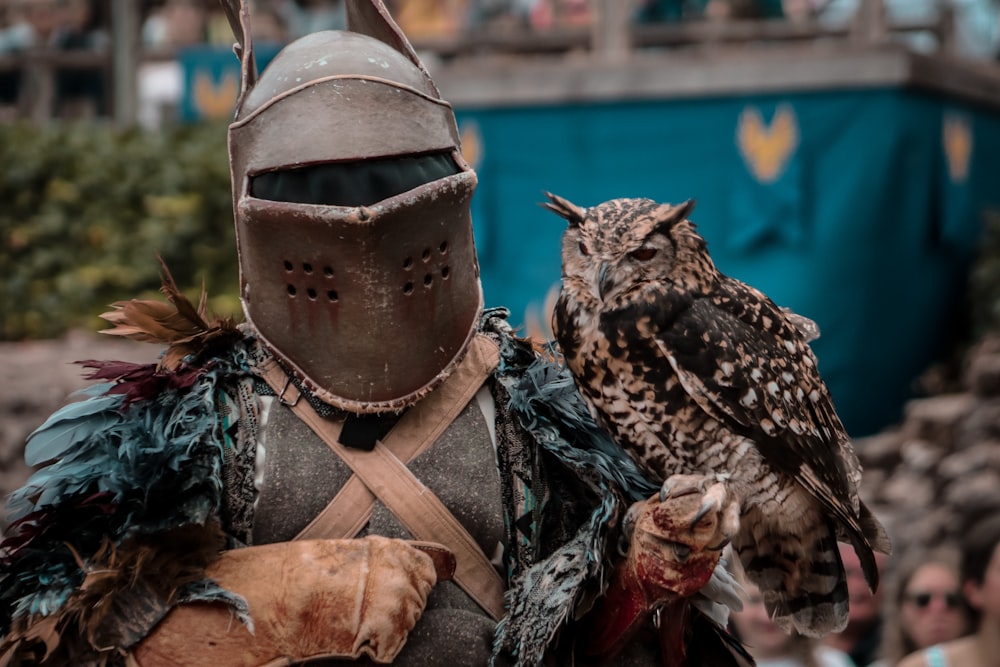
(766, 150)
(472, 144)
(956, 136)
(215, 100)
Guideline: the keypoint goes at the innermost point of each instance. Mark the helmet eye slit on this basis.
(355, 183)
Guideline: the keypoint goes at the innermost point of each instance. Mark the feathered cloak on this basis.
(121, 523)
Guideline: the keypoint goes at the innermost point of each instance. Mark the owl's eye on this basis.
(583, 249)
(643, 254)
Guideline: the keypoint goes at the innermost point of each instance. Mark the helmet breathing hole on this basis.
(443, 248)
(408, 288)
(426, 255)
(332, 295)
(311, 293)
(288, 265)
(307, 267)
(445, 272)
(428, 279)
(328, 271)
(291, 290)
(408, 263)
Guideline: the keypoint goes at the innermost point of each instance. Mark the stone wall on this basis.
(932, 476)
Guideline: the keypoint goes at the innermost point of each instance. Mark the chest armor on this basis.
(299, 476)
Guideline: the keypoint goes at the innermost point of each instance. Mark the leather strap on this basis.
(388, 478)
(349, 510)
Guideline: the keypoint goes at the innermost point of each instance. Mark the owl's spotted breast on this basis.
(630, 392)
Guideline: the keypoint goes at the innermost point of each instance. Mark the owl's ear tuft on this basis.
(570, 212)
(674, 214)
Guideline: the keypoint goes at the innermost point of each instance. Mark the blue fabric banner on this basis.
(858, 208)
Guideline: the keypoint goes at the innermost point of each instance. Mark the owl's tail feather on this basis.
(875, 537)
(867, 535)
(800, 575)
(878, 539)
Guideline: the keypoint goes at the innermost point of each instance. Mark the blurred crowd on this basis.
(173, 23)
(938, 606)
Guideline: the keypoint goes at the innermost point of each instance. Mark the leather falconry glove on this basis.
(676, 541)
(308, 599)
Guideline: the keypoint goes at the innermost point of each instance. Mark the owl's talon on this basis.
(718, 511)
(702, 513)
(668, 486)
(677, 486)
(721, 545)
(665, 491)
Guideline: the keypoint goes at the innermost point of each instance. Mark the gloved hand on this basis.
(311, 598)
(675, 540)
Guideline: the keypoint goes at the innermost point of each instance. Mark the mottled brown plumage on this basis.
(694, 372)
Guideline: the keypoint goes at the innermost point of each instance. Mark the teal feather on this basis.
(207, 590)
(545, 598)
(69, 425)
(46, 602)
(158, 461)
(553, 409)
(547, 595)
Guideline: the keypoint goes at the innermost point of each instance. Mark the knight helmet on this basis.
(358, 269)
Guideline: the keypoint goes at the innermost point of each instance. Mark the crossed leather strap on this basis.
(382, 473)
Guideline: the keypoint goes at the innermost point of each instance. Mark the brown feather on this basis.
(127, 589)
(178, 324)
(195, 316)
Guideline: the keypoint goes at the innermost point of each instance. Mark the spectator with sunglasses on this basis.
(924, 604)
(981, 589)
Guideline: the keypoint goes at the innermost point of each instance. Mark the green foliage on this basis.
(85, 209)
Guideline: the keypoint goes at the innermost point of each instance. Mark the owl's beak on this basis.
(604, 282)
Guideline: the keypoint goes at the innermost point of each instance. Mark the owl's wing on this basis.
(748, 365)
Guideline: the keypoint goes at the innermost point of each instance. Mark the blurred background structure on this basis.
(844, 155)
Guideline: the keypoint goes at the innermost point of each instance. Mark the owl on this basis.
(696, 373)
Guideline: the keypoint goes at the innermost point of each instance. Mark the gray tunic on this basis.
(298, 475)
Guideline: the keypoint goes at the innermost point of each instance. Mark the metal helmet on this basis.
(358, 268)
